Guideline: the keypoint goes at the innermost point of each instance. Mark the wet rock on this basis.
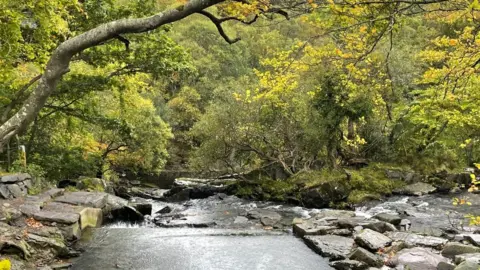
(165, 210)
(412, 240)
(363, 255)
(473, 257)
(473, 239)
(88, 199)
(310, 227)
(468, 266)
(264, 214)
(453, 248)
(445, 266)
(348, 265)
(142, 206)
(240, 220)
(418, 259)
(417, 189)
(392, 219)
(127, 213)
(405, 224)
(178, 195)
(333, 246)
(372, 240)
(380, 227)
(350, 223)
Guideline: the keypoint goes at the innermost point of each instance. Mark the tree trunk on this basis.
(60, 59)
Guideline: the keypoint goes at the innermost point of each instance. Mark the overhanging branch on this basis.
(218, 23)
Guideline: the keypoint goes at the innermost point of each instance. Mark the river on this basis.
(232, 241)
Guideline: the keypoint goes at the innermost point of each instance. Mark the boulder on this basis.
(473, 257)
(380, 227)
(372, 240)
(412, 240)
(474, 239)
(90, 184)
(333, 246)
(468, 266)
(127, 213)
(445, 266)
(416, 189)
(392, 219)
(266, 217)
(309, 227)
(14, 178)
(363, 255)
(142, 206)
(453, 248)
(418, 259)
(322, 195)
(348, 265)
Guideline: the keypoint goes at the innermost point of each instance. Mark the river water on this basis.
(235, 242)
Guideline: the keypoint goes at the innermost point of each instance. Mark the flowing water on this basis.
(230, 244)
(233, 241)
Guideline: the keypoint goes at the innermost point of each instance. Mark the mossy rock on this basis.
(90, 184)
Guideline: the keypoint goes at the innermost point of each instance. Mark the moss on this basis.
(359, 196)
(91, 184)
(314, 178)
(71, 189)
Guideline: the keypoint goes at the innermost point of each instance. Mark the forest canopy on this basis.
(234, 86)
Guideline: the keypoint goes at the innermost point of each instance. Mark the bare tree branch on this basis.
(218, 24)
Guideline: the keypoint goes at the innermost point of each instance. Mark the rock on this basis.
(473, 257)
(380, 227)
(350, 223)
(331, 213)
(267, 216)
(412, 240)
(445, 266)
(88, 199)
(115, 203)
(468, 266)
(392, 219)
(91, 217)
(61, 266)
(59, 217)
(142, 206)
(240, 220)
(311, 228)
(14, 178)
(333, 246)
(363, 255)
(178, 195)
(418, 259)
(341, 232)
(416, 189)
(322, 195)
(349, 265)
(127, 213)
(473, 239)
(453, 248)
(46, 242)
(372, 240)
(165, 210)
(90, 184)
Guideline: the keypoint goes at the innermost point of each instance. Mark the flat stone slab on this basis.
(417, 189)
(59, 217)
(88, 199)
(333, 246)
(14, 178)
(412, 239)
(372, 240)
(309, 227)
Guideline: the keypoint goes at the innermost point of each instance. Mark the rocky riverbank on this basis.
(37, 231)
